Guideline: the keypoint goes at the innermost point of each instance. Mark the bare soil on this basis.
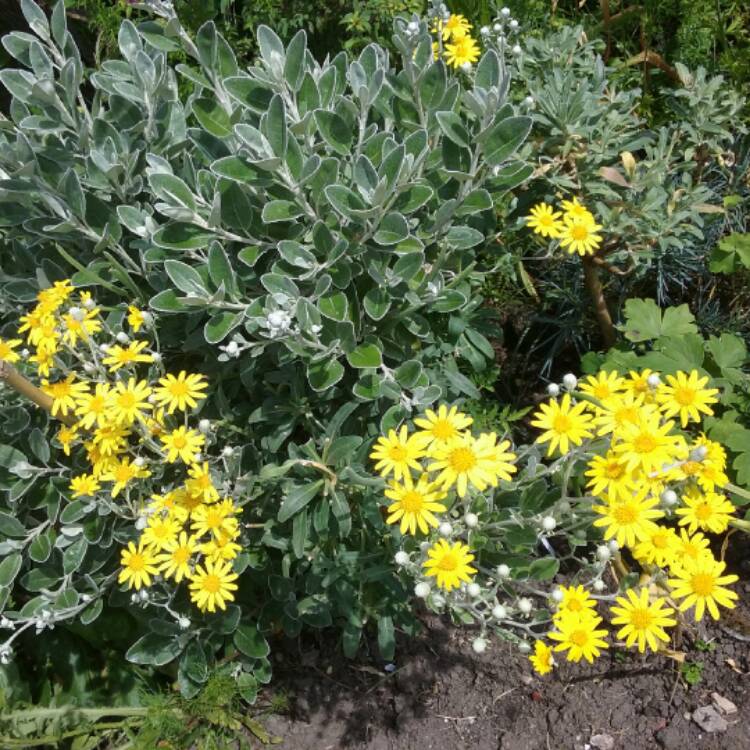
(443, 696)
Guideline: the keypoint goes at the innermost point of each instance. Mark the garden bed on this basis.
(443, 695)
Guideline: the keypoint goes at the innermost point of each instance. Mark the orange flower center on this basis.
(684, 396)
(641, 619)
(625, 514)
(702, 584)
(644, 443)
(136, 562)
(462, 460)
(562, 423)
(212, 584)
(412, 501)
(448, 562)
(579, 638)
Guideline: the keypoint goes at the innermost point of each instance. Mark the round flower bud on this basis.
(548, 523)
(77, 314)
(557, 595)
(698, 453)
(474, 590)
(613, 546)
(139, 462)
(529, 101)
(184, 622)
(505, 12)
(141, 522)
(85, 598)
(88, 368)
(603, 553)
(669, 497)
(653, 380)
(553, 389)
(148, 318)
(424, 546)
(513, 24)
(516, 49)
(524, 647)
(445, 529)
(525, 605)
(25, 353)
(570, 381)
(412, 27)
(5, 623)
(227, 451)
(143, 595)
(232, 348)
(599, 585)
(497, 28)
(466, 67)
(104, 348)
(204, 426)
(563, 506)
(422, 590)
(499, 612)
(503, 571)
(122, 337)
(485, 31)
(157, 357)
(401, 558)
(89, 303)
(471, 520)
(479, 645)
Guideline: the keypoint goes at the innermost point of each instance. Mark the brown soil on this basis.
(442, 695)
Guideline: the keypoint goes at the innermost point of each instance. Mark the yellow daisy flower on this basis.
(182, 392)
(449, 564)
(580, 637)
(182, 443)
(643, 621)
(708, 511)
(160, 531)
(461, 50)
(542, 659)
(200, 482)
(119, 356)
(138, 565)
(64, 394)
(397, 453)
(454, 27)
(84, 485)
(122, 472)
(573, 210)
(691, 546)
(610, 478)
(67, 436)
(580, 236)
(129, 401)
(545, 221)
(7, 347)
(563, 424)
(414, 504)
(135, 318)
(442, 427)
(177, 555)
(92, 409)
(213, 585)
(648, 445)
(686, 395)
(659, 547)
(629, 520)
(700, 582)
(576, 601)
(221, 547)
(81, 329)
(215, 519)
(619, 410)
(603, 385)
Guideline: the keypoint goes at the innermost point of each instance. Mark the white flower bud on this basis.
(553, 389)
(499, 612)
(412, 27)
(232, 348)
(157, 357)
(485, 31)
(599, 585)
(516, 49)
(471, 520)
(184, 622)
(316, 329)
(503, 571)
(513, 24)
(445, 529)
(85, 598)
(122, 337)
(479, 645)
(227, 451)
(474, 590)
(89, 303)
(563, 506)
(401, 558)
(148, 318)
(497, 28)
(505, 12)
(6, 624)
(143, 595)
(669, 497)
(422, 590)
(198, 456)
(140, 462)
(88, 368)
(141, 522)
(524, 647)
(525, 605)
(548, 523)
(25, 353)
(570, 381)
(603, 553)
(557, 595)
(466, 67)
(104, 348)
(699, 453)
(653, 380)
(204, 426)
(529, 101)
(613, 546)
(134, 597)
(423, 547)
(77, 314)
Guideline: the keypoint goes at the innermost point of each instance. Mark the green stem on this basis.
(735, 490)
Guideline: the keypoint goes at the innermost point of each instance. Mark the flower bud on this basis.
(148, 318)
(77, 314)
(497, 28)
(204, 426)
(603, 553)
(85, 598)
(553, 389)
(412, 27)
(570, 381)
(653, 380)
(423, 547)
(599, 585)
(227, 451)
(466, 67)
(140, 523)
(557, 595)
(499, 612)
(122, 337)
(156, 357)
(445, 529)
(529, 101)
(513, 24)
(525, 605)
(485, 31)
(471, 520)
(613, 546)
(232, 348)
(89, 303)
(549, 523)
(479, 645)
(524, 647)
(474, 590)
(503, 571)
(505, 12)
(422, 590)
(140, 462)
(698, 453)
(88, 368)
(184, 622)
(516, 49)
(669, 497)
(104, 348)
(401, 558)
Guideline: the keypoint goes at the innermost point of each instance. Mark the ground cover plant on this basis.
(243, 350)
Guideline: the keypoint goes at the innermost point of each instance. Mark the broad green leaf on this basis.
(462, 238)
(180, 236)
(154, 650)
(323, 375)
(392, 230)
(364, 356)
(185, 278)
(453, 128)
(294, 66)
(9, 568)
(280, 210)
(297, 498)
(334, 306)
(503, 139)
(644, 320)
(172, 190)
(10, 526)
(334, 131)
(377, 302)
(212, 116)
(220, 325)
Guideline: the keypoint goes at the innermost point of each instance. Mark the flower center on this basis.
(411, 501)
(178, 389)
(136, 562)
(574, 605)
(703, 511)
(660, 541)
(212, 584)
(562, 423)
(179, 441)
(126, 401)
(641, 619)
(703, 584)
(691, 467)
(448, 562)
(123, 474)
(579, 638)
(462, 460)
(615, 470)
(684, 396)
(96, 404)
(644, 443)
(181, 555)
(579, 232)
(625, 513)
(602, 391)
(398, 454)
(626, 414)
(214, 520)
(443, 429)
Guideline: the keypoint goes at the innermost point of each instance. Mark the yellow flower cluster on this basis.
(647, 463)
(574, 227)
(120, 417)
(440, 456)
(459, 47)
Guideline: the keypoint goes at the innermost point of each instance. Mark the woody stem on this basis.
(28, 390)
